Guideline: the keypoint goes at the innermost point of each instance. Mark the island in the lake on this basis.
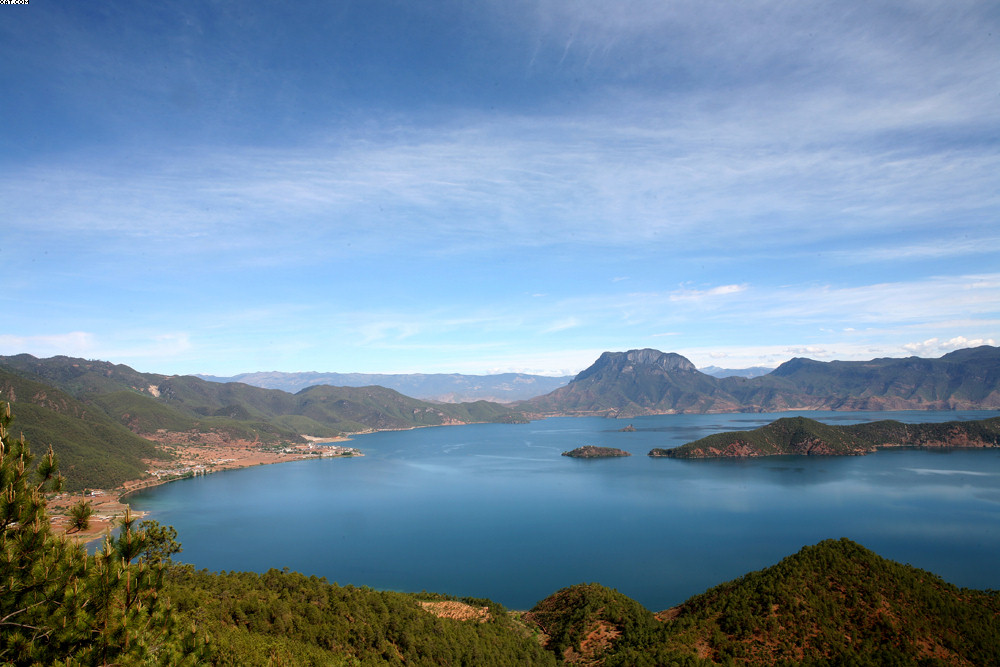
(595, 452)
(807, 437)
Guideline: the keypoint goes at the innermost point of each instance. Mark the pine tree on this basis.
(59, 605)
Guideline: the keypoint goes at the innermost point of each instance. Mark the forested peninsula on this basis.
(801, 436)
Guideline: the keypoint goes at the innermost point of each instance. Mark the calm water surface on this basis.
(494, 511)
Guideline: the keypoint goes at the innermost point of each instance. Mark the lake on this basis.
(494, 510)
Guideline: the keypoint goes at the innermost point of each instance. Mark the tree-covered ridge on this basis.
(94, 449)
(803, 436)
(834, 603)
(839, 603)
(100, 417)
(644, 382)
(176, 402)
(302, 620)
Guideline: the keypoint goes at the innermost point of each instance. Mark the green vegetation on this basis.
(802, 436)
(253, 618)
(57, 604)
(834, 603)
(93, 449)
(79, 516)
(94, 414)
(839, 603)
(570, 617)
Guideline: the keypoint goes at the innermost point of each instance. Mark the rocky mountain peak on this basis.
(668, 361)
(615, 363)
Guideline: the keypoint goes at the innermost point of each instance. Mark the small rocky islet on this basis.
(595, 452)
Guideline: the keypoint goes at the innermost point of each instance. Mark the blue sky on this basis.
(475, 187)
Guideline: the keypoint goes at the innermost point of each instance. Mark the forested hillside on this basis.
(808, 437)
(94, 449)
(100, 417)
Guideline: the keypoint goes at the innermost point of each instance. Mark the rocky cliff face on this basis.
(637, 382)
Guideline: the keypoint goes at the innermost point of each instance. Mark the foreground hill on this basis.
(102, 419)
(642, 382)
(808, 437)
(832, 603)
(444, 387)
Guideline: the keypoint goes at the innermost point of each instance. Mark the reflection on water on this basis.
(494, 510)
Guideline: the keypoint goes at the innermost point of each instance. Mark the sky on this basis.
(390, 186)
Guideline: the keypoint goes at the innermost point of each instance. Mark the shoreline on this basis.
(189, 460)
(193, 455)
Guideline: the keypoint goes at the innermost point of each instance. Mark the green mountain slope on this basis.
(288, 618)
(802, 436)
(640, 382)
(119, 403)
(834, 603)
(93, 449)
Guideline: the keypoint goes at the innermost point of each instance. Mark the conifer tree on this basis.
(59, 605)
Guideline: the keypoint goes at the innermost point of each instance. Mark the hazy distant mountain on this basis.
(752, 372)
(641, 382)
(445, 387)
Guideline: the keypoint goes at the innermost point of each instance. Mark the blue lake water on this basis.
(494, 510)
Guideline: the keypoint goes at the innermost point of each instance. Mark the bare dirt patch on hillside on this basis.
(457, 610)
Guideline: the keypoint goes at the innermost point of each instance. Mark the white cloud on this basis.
(933, 347)
(562, 325)
(686, 294)
(73, 344)
(127, 347)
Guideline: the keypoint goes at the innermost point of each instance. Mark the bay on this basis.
(494, 510)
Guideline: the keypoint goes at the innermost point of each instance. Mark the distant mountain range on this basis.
(442, 387)
(752, 372)
(644, 382)
(104, 420)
